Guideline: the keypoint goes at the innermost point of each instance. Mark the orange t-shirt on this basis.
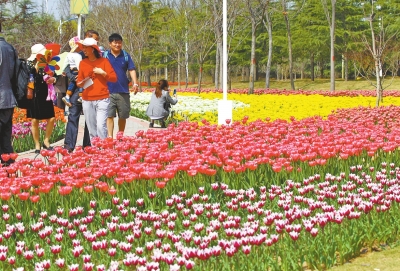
(98, 90)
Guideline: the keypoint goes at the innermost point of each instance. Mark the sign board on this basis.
(79, 7)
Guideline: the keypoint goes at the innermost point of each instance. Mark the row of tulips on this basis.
(190, 150)
(314, 222)
(274, 105)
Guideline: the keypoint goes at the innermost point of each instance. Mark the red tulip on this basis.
(160, 184)
(23, 196)
(5, 157)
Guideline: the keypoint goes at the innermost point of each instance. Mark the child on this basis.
(73, 59)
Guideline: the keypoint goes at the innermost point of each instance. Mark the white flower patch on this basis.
(186, 104)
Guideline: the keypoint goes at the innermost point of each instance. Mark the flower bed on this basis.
(21, 131)
(318, 222)
(257, 195)
(271, 105)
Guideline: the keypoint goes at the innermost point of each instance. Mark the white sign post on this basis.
(79, 7)
(224, 106)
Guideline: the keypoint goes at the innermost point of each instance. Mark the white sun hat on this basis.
(36, 49)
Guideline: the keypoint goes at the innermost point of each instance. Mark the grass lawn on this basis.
(385, 260)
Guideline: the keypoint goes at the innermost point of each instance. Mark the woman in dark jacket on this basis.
(41, 108)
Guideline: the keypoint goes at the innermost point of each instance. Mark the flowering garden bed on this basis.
(259, 195)
(22, 139)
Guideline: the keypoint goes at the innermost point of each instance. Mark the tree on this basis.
(256, 10)
(331, 17)
(379, 43)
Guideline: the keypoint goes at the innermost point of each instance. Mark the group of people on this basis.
(97, 85)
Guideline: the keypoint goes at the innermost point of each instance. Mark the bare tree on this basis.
(268, 26)
(256, 11)
(295, 9)
(380, 52)
(331, 17)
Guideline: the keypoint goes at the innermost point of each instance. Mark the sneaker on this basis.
(79, 100)
(66, 101)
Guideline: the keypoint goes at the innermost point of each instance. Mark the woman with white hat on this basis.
(41, 108)
(94, 73)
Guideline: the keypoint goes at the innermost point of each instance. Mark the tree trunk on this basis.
(268, 26)
(199, 80)
(218, 65)
(377, 59)
(332, 25)
(289, 35)
(179, 70)
(312, 67)
(148, 79)
(252, 58)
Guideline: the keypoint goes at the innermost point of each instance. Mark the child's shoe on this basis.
(79, 100)
(66, 101)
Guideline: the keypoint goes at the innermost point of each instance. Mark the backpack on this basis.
(105, 54)
(19, 82)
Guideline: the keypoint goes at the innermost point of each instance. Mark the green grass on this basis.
(385, 260)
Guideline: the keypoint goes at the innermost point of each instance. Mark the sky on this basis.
(52, 7)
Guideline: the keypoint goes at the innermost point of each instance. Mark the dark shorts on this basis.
(119, 102)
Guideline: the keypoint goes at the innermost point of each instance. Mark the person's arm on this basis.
(80, 77)
(135, 84)
(108, 71)
(170, 99)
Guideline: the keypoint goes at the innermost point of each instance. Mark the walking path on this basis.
(132, 126)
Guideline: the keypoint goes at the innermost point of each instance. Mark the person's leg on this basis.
(49, 131)
(102, 113)
(110, 127)
(124, 110)
(121, 124)
(35, 133)
(71, 133)
(89, 109)
(112, 109)
(86, 138)
(6, 132)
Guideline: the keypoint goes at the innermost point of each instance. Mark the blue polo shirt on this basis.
(120, 67)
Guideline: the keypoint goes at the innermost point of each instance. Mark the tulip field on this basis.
(295, 192)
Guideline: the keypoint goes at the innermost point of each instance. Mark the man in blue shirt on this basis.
(120, 102)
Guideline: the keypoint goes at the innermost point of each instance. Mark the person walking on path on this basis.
(120, 102)
(7, 99)
(41, 108)
(71, 133)
(94, 73)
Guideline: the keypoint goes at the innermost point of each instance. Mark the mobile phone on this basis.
(174, 91)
